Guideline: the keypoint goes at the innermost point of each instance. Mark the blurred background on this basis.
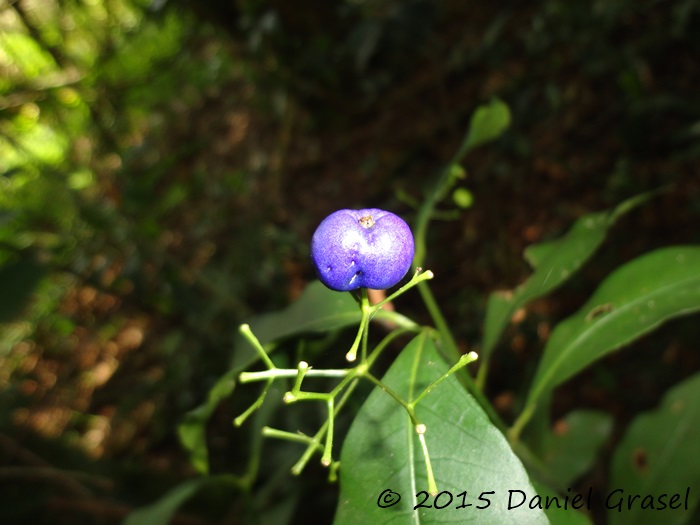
(163, 164)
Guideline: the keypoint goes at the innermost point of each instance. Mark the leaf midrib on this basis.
(583, 336)
(409, 429)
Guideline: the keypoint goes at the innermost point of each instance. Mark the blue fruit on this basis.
(369, 248)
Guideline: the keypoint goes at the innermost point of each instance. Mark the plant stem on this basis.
(432, 486)
(288, 436)
(366, 313)
(250, 377)
(418, 277)
(252, 408)
(407, 406)
(384, 343)
(314, 443)
(250, 336)
(439, 320)
(453, 354)
(463, 361)
(481, 375)
(327, 457)
(520, 422)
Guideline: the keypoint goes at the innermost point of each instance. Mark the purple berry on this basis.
(362, 249)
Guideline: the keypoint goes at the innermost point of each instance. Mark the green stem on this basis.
(252, 408)
(250, 377)
(245, 330)
(481, 375)
(314, 444)
(293, 397)
(328, 450)
(366, 313)
(439, 320)
(384, 343)
(289, 436)
(520, 422)
(365, 339)
(463, 361)
(397, 319)
(427, 210)
(408, 407)
(302, 369)
(432, 486)
(453, 354)
(418, 277)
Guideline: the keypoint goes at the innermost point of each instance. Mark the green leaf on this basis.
(571, 448)
(554, 263)
(633, 300)
(382, 452)
(19, 278)
(658, 455)
(317, 310)
(192, 430)
(487, 123)
(571, 515)
(160, 512)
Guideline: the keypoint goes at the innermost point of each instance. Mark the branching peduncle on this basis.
(336, 398)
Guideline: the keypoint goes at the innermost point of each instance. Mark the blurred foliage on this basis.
(163, 164)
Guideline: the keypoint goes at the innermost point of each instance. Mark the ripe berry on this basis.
(369, 248)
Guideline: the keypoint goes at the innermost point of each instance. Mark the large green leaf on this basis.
(658, 455)
(554, 263)
(382, 452)
(632, 301)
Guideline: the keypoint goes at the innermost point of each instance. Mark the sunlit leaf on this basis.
(554, 263)
(655, 457)
(382, 452)
(632, 301)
